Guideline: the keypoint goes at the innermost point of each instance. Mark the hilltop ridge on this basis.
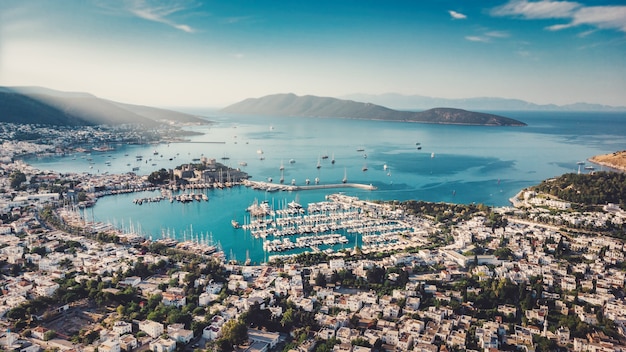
(314, 106)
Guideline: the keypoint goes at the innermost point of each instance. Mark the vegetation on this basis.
(587, 189)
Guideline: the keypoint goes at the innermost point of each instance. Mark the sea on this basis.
(404, 161)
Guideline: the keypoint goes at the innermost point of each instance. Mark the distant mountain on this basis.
(38, 105)
(419, 102)
(293, 105)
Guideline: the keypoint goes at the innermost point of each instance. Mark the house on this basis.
(179, 333)
(122, 327)
(152, 328)
(163, 345)
(38, 332)
(110, 345)
(128, 342)
(271, 339)
(173, 299)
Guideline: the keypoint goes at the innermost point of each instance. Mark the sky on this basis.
(214, 53)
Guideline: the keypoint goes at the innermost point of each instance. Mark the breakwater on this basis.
(268, 186)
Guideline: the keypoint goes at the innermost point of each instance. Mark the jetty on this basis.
(268, 186)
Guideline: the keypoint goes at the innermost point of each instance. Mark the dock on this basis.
(268, 186)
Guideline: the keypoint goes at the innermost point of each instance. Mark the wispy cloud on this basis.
(477, 38)
(160, 11)
(457, 15)
(537, 10)
(497, 34)
(487, 36)
(602, 17)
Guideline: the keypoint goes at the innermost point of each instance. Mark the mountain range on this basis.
(313, 106)
(419, 102)
(37, 105)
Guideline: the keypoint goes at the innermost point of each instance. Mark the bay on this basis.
(459, 164)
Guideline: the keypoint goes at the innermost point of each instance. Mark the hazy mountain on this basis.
(47, 106)
(293, 105)
(418, 102)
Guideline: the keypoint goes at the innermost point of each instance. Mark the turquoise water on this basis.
(461, 164)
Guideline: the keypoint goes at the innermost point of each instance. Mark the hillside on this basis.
(46, 106)
(598, 188)
(293, 105)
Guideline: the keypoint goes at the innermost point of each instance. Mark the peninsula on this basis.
(615, 160)
(313, 106)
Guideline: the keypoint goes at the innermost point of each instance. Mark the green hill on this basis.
(313, 106)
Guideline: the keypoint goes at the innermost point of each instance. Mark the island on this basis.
(313, 106)
(615, 160)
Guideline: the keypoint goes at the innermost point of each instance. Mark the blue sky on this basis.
(213, 53)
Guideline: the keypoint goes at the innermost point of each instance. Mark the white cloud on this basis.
(537, 10)
(475, 38)
(602, 17)
(158, 12)
(457, 15)
(605, 17)
(497, 34)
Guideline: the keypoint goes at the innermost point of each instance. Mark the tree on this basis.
(320, 279)
(17, 178)
(235, 331)
(376, 275)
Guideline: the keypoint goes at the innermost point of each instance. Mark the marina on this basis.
(329, 225)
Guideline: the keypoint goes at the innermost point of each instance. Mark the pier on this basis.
(268, 186)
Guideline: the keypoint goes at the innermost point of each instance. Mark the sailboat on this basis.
(345, 176)
(282, 167)
(332, 161)
(319, 164)
(365, 167)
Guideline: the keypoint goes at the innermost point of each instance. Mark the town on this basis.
(536, 276)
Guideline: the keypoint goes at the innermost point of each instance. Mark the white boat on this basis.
(385, 167)
(259, 151)
(345, 176)
(282, 167)
(432, 155)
